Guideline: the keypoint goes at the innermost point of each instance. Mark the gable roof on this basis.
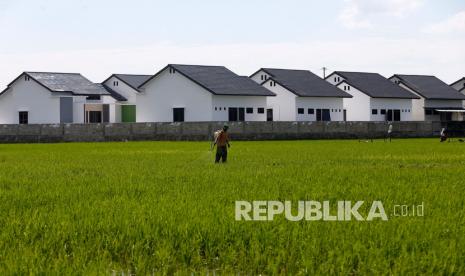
(73, 83)
(430, 87)
(133, 81)
(454, 83)
(304, 83)
(117, 96)
(375, 85)
(218, 80)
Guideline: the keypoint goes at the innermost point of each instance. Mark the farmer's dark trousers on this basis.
(221, 153)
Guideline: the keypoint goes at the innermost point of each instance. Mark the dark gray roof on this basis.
(375, 85)
(219, 80)
(117, 96)
(430, 87)
(73, 83)
(133, 81)
(304, 83)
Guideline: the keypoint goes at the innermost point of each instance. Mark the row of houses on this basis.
(214, 93)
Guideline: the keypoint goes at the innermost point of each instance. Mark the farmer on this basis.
(443, 135)
(389, 133)
(222, 144)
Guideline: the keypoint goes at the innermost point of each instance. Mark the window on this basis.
(374, 111)
(335, 79)
(300, 110)
(311, 111)
(383, 111)
(348, 88)
(249, 110)
(115, 83)
(178, 114)
(216, 108)
(172, 71)
(338, 79)
(27, 78)
(261, 110)
(428, 112)
(272, 83)
(262, 77)
(24, 117)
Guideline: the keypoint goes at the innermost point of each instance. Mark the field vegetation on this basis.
(164, 208)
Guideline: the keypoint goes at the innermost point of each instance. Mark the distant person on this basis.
(222, 145)
(389, 133)
(443, 135)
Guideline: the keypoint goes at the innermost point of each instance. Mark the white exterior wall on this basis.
(334, 79)
(166, 91)
(358, 107)
(123, 89)
(418, 105)
(260, 77)
(283, 104)
(335, 106)
(43, 107)
(404, 105)
(238, 101)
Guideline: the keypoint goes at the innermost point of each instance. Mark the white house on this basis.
(200, 93)
(437, 100)
(375, 98)
(459, 85)
(124, 88)
(43, 98)
(301, 96)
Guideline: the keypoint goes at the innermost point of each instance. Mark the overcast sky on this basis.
(97, 38)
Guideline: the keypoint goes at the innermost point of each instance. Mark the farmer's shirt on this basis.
(222, 139)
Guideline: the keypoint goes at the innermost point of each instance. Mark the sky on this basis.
(101, 37)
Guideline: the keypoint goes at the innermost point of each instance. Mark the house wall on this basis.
(283, 104)
(260, 77)
(222, 102)
(335, 105)
(334, 79)
(123, 89)
(404, 105)
(43, 107)
(166, 91)
(358, 107)
(418, 105)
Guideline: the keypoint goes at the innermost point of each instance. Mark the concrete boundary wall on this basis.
(49, 133)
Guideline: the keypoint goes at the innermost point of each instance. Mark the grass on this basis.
(164, 207)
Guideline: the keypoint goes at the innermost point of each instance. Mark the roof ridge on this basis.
(38, 72)
(119, 74)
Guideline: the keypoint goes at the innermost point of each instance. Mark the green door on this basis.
(128, 113)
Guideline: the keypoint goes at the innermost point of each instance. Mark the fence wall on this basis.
(47, 133)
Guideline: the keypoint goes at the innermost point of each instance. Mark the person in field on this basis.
(443, 135)
(389, 133)
(222, 144)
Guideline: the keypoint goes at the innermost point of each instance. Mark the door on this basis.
(178, 114)
(318, 115)
(326, 115)
(241, 114)
(345, 115)
(66, 110)
(396, 115)
(128, 113)
(94, 117)
(106, 113)
(232, 114)
(269, 115)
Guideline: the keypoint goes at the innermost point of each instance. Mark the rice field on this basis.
(165, 208)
